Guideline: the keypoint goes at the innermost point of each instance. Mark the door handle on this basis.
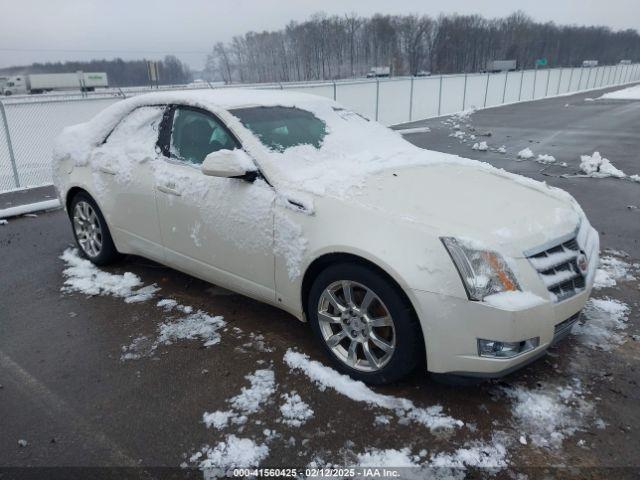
(169, 190)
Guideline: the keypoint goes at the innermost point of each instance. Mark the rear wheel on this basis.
(364, 323)
(91, 231)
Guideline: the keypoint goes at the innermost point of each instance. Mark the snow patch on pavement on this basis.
(295, 412)
(247, 402)
(613, 268)
(631, 93)
(82, 276)
(606, 318)
(325, 377)
(549, 414)
(233, 452)
(198, 325)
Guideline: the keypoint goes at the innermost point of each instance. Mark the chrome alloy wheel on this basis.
(356, 325)
(87, 228)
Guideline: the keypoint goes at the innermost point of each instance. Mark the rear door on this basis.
(219, 229)
(124, 186)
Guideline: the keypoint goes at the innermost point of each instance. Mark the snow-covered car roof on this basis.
(77, 140)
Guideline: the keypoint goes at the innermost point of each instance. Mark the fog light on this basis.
(496, 349)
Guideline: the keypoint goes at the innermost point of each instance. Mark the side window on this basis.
(196, 134)
(141, 126)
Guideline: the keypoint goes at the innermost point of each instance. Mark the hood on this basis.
(505, 212)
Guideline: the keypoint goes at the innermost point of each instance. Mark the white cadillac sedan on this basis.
(398, 257)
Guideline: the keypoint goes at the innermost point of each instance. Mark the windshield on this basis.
(280, 128)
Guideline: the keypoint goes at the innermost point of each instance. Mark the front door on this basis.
(219, 229)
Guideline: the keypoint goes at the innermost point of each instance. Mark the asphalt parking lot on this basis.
(69, 393)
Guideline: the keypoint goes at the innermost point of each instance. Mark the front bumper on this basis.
(452, 327)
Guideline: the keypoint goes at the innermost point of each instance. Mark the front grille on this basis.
(563, 328)
(559, 270)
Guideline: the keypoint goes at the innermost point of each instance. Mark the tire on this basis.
(91, 231)
(403, 332)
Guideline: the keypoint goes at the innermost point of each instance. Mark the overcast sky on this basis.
(52, 30)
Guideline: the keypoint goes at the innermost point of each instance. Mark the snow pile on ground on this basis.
(502, 149)
(84, 277)
(247, 402)
(3, 222)
(525, 154)
(613, 268)
(549, 160)
(295, 412)
(389, 458)
(325, 377)
(480, 146)
(476, 454)
(198, 325)
(440, 465)
(631, 93)
(605, 320)
(549, 414)
(233, 452)
(598, 167)
(546, 159)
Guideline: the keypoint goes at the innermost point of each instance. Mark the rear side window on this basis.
(195, 134)
(279, 128)
(141, 126)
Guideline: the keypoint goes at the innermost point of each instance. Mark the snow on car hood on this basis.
(486, 205)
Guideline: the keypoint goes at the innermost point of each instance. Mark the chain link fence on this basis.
(29, 124)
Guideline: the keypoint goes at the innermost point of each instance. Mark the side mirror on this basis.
(227, 164)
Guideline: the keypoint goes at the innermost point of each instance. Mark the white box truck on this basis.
(377, 72)
(49, 82)
(590, 63)
(495, 66)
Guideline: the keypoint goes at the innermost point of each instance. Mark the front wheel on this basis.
(364, 323)
(91, 231)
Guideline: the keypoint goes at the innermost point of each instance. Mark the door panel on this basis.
(219, 229)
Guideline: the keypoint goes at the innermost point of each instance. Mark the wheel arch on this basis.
(327, 259)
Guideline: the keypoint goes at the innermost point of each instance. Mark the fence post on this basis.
(377, 96)
(580, 79)
(504, 87)
(464, 93)
(520, 91)
(12, 157)
(486, 90)
(535, 79)
(588, 79)
(570, 79)
(334, 91)
(559, 81)
(546, 89)
(411, 99)
(440, 96)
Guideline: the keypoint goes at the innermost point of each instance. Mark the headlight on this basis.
(483, 272)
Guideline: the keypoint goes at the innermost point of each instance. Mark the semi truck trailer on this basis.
(49, 82)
